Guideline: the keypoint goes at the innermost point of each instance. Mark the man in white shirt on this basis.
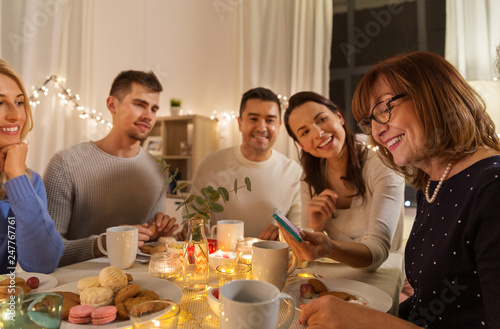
(275, 179)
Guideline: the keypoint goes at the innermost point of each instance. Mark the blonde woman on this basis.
(27, 233)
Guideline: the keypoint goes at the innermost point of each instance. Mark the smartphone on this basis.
(287, 225)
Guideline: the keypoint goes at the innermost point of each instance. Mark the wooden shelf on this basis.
(195, 135)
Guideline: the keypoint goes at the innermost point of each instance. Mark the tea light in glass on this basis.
(244, 250)
(165, 265)
(231, 271)
(212, 245)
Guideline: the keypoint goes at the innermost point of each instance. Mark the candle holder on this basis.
(155, 314)
(165, 265)
(230, 272)
(244, 249)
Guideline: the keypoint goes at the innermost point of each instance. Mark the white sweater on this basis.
(275, 184)
(377, 220)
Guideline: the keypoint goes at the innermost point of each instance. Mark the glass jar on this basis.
(165, 265)
(196, 256)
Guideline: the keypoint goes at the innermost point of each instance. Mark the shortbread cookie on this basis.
(113, 278)
(91, 281)
(97, 296)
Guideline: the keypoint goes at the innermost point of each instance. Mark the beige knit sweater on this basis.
(89, 190)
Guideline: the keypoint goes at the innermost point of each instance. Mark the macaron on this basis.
(103, 315)
(80, 314)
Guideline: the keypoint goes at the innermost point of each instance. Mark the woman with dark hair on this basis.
(346, 190)
(27, 232)
(431, 126)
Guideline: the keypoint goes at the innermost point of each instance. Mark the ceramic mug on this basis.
(271, 262)
(121, 245)
(228, 233)
(253, 304)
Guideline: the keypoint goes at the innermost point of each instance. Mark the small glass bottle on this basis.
(196, 256)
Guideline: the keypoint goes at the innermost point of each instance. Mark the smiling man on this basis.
(275, 178)
(95, 185)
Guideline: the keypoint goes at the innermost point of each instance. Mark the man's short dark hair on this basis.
(262, 94)
(122, 84)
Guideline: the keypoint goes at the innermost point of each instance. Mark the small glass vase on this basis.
(196, 256)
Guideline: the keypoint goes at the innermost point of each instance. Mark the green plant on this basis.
(175, 102)
(201, 205)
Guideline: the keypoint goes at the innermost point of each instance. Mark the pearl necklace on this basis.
(438, 187)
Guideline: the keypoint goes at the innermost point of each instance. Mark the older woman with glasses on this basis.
(346, 191)
(439, 136)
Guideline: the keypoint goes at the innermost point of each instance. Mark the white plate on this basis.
(164, 288)
(47, 282)
(373, 296)
(139, 252)
(326, 260)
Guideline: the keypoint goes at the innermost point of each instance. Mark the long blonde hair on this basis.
(452, 113)
(8, 71)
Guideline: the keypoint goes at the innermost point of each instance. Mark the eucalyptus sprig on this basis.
(201, 204)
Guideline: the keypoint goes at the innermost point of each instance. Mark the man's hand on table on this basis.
(160, 225)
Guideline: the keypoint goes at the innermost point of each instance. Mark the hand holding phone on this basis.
(287, 225)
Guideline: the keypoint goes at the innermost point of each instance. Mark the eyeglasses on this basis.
(381, 113)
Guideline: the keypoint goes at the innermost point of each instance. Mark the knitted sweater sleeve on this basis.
(60, 195)
(39, 245)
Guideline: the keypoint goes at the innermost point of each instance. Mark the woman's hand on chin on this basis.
(13, 159)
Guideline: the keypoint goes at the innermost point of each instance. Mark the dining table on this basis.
(195, 310)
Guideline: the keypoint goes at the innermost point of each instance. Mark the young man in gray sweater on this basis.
(95, 185)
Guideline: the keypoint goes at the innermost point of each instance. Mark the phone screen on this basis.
(287, 225)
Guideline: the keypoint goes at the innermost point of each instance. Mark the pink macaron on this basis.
(103, 315)
(80, 314)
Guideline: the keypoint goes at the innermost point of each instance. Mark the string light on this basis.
(68, 98)
(226, 117)
(223, 118)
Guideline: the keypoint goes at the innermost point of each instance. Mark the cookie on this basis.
(319, 287)
(103, 315)
(70, 299)
(131, 302)
(91, 281)
(165, 240)
(126, 292)
(121, 313)
(17, 281)
(113, 277)
(152, 228)
(130, 278)
(146, 248)
(158, 249)
(97, 296)
(148, 294)
(80, 314)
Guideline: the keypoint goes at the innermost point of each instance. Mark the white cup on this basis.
(228, 233)
(121, 245)
(270, 262)
(253, 304)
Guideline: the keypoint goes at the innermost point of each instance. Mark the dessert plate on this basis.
(372, 296)
(47, 282)
(164, 288)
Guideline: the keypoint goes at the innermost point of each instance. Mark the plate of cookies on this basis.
(31, 282)
(351, 291)
(149, 248)
(104, 301)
